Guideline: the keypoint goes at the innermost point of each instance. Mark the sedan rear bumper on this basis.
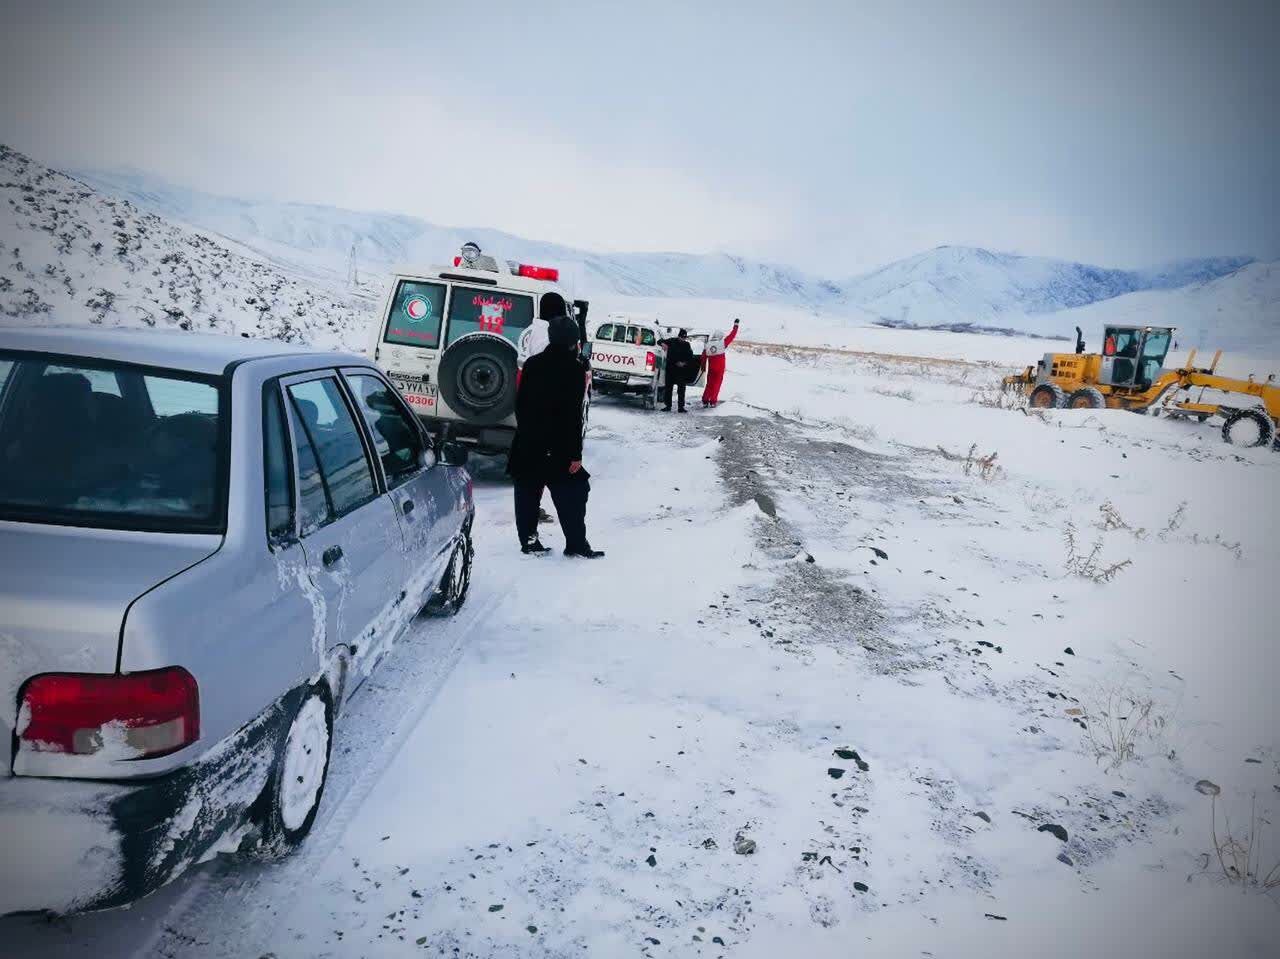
(69, 846)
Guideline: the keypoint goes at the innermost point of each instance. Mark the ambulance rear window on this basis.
(415, 315)
(477, 310)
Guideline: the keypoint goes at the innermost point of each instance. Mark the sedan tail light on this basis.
(135, 716)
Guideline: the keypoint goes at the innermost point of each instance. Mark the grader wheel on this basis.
(1048, 396)
(1248, 428)
(1087, 398)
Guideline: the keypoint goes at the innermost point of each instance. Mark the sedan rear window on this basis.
(95, 443)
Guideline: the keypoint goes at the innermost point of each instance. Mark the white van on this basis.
(452, 339)
(627, 358)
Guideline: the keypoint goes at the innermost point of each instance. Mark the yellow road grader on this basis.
(1129, 374)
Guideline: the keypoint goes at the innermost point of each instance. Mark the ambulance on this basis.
(452, 340)
(627, 358)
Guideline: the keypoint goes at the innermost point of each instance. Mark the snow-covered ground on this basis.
(566, 769)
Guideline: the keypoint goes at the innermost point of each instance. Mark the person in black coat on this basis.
(547, 449)
(682, 368)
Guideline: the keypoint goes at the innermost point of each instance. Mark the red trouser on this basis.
(715, 376)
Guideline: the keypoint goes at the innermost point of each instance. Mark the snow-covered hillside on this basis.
(70, 255)
(321, 239)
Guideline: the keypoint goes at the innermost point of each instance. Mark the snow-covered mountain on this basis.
(1239, 312)
(71, 255)
(960, 288)
(969, 288)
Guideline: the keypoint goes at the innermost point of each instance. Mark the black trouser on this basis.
(570, 498)
(666, 393)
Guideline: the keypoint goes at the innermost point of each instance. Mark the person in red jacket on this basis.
(713, 363)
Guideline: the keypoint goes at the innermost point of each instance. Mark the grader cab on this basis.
(1129, 374)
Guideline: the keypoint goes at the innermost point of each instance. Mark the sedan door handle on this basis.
(406, 507)
(331, 555)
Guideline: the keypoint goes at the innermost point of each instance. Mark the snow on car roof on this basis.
(174, 349)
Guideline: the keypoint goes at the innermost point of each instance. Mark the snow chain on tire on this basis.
(1048, 396)
(1266, 428)
(1087, 398)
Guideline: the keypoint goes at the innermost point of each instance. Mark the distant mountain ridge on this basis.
(958, 286)
(949, 285)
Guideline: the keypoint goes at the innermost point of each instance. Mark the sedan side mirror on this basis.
(453, 454)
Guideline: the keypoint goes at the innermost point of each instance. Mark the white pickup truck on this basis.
(626, 357)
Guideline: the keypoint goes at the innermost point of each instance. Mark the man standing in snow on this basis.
(713, 363)
(682, 368)
(547, 449)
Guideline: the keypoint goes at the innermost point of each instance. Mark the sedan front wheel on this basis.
(451, 594)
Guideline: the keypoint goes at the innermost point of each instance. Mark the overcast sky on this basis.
(835, 135)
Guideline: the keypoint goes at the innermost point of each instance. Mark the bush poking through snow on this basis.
(1116, 720)
(1174, 524)
(899, 394)
(1111, 519)
(985, 466)
(1176, 519)
(997, 396)
(1089, 565)
(1240, 857)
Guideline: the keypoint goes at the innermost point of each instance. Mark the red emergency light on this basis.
(538, 272)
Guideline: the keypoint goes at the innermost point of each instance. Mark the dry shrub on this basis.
(900, 394)
(1116, 720)
(1176, 520)
(971, 462)
(1239, 853)
(1111, 519)
(1090, 565)
(997, 396)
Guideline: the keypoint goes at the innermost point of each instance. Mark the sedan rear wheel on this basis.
(302, 768)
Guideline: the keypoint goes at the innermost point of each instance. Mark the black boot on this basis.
(534, 547)
(585, 552)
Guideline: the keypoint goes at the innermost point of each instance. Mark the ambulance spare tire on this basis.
(478, 378)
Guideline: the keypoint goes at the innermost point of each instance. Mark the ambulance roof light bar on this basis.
(538, 272)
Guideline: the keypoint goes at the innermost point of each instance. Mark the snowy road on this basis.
(811, 632)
